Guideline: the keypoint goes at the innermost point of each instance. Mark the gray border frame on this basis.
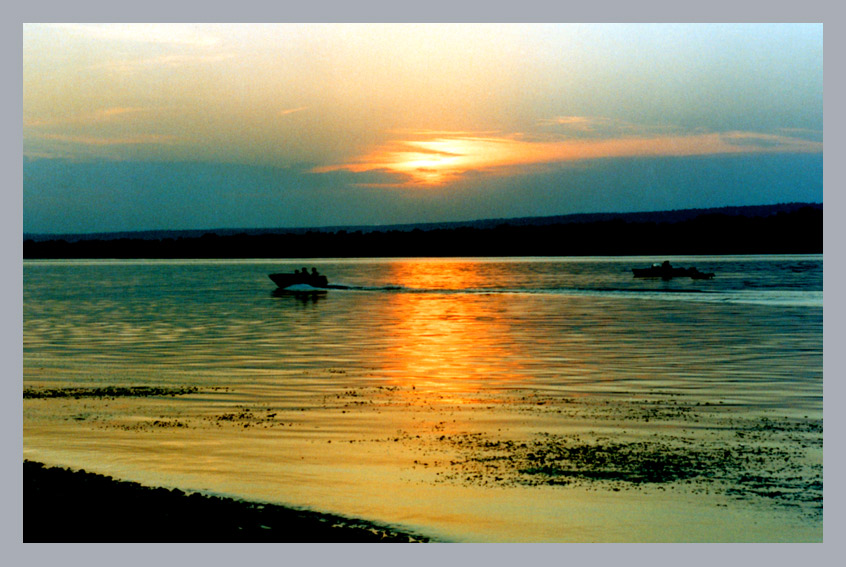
(431, 11)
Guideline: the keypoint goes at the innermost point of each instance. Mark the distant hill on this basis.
(671, 216)
(772, 229)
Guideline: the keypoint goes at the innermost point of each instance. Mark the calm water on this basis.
(406, 397)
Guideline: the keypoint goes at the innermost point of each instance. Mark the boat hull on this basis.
(287, 280)
(670, 273)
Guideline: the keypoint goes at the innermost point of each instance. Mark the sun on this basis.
(433, 162)
(432, 166)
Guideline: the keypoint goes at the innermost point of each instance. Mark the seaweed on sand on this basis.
(740, 470)
(107, 392)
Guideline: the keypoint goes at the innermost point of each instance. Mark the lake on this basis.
(468, 399)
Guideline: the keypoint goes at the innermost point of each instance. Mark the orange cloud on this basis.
(292, 110)
(441, 157)
(100, 141)
(97, 116)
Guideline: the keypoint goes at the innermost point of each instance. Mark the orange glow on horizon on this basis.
(437, 160)
(442, 158)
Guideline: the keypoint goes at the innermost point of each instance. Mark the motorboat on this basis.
(666, 271)
(288, 280)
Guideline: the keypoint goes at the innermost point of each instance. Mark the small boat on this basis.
(285, 280)
(666, 271)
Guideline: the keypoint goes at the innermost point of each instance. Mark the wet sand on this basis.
(64, 506)
(704, 460)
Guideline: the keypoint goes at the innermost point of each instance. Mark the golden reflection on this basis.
(447, 347)
(439, 274)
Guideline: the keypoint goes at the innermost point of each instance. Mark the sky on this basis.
(202, 126)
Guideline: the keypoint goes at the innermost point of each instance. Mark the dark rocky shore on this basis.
(63, 506)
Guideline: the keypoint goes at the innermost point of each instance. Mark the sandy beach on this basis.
(61, 506)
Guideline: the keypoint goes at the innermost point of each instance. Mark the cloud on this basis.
(577, 123)
(379, 177)
(165, 60)
(441, 158)
(76, 135)
(292, 110)
(106, 141)
(599, 127)
(97, 116)
(804, 133)
(190, 35)
(139, 47)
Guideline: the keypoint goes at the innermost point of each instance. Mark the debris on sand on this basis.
(107, 392)
(774, 469)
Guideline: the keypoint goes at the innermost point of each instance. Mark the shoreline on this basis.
(775, 229)
(61, 505)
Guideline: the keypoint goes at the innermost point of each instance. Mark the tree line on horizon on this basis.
(795, 232)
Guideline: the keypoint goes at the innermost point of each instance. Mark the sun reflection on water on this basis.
(451, 345)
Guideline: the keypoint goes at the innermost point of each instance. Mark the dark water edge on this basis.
(65, 506)
(788, 231)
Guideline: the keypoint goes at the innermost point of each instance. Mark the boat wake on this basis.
(759, 297)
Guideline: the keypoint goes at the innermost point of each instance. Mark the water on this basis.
(424, 392)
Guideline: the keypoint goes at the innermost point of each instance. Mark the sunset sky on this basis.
(181, 126)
